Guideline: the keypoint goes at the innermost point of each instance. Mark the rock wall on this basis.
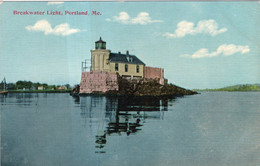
(98, 81)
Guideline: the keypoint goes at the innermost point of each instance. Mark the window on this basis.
(126, 67)
(98, 45)
(137, 68)
(116, 67)
(129, 59)
(103, 45)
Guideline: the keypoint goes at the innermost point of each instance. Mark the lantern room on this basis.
(100, 44)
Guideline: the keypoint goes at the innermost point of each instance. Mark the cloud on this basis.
(142, 18)
(44, 26)
(224, 50)
(184, 28)
(55, 3)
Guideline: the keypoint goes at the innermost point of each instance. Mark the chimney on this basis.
(127, 52)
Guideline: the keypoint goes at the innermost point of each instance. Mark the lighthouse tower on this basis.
(100, 57)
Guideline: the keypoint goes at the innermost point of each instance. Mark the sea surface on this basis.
(208, 129)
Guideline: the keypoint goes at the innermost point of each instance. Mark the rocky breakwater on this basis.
(150, 88)
(143, 87)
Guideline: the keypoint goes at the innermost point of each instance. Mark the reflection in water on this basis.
(100, 142)
(56, 129)
(3, 99)
(24, 99)
(76, 99)
(123, 115)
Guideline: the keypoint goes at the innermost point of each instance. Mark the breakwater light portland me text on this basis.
(55, 12)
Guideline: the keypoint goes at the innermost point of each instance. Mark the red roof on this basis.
(100, 41)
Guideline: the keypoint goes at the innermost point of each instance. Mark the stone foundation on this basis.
(98, 81)
(111, 83)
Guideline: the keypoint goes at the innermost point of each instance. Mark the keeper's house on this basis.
(105, 65)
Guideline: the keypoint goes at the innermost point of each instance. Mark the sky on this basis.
(199, 44)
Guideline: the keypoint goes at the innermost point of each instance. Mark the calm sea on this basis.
(209, 129)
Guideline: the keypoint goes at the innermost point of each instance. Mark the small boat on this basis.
(4, 91)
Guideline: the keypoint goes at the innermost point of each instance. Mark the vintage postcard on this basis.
(123, 83)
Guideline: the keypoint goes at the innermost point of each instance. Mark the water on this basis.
(213, 128)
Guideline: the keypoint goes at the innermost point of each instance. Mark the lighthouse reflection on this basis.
(119, 116)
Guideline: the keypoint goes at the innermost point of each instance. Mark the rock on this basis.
(150, 88)
(75, 91)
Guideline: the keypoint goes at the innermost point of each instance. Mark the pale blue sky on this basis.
(199, 44)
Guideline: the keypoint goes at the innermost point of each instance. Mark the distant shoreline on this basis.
(212, 90)
(39, 91)
(236, 88)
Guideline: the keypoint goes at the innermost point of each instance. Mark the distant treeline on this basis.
(245, 87)
(28, 85)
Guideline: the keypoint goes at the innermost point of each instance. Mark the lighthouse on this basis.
(100, 57)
